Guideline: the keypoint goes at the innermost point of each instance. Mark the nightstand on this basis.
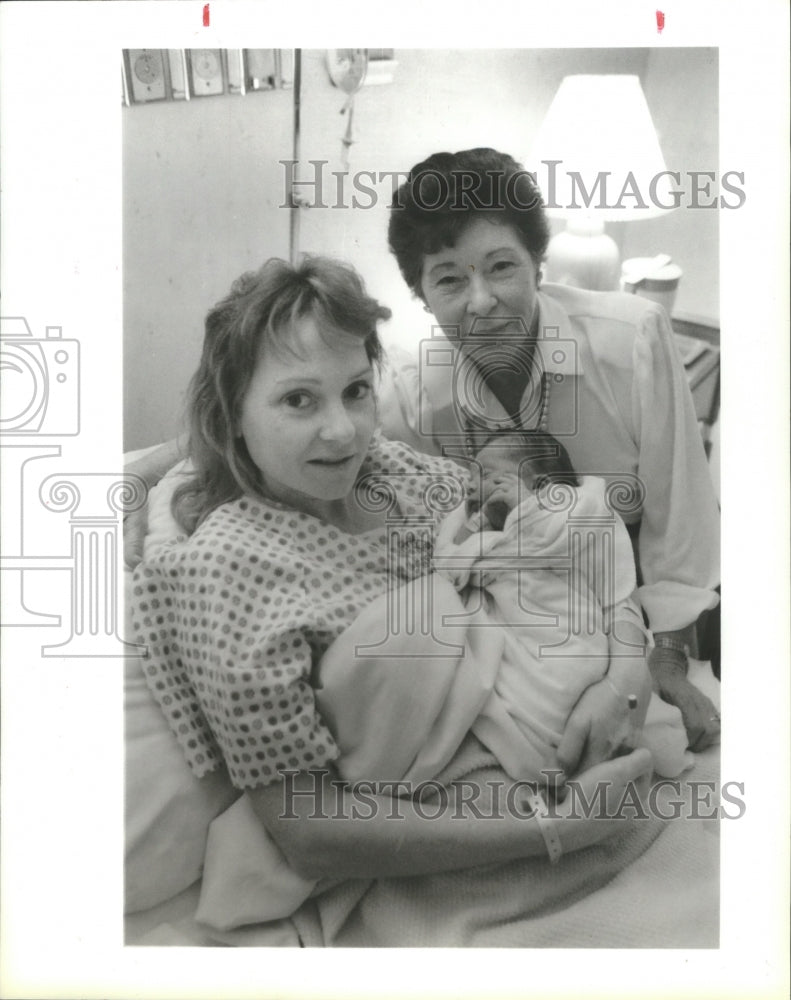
(698, 345)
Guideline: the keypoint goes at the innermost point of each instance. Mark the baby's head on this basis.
(536, 457)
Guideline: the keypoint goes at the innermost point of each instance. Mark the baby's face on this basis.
(501, 487)
(496, 461)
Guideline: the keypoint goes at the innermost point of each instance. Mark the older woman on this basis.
(599, 371)
(279, 558)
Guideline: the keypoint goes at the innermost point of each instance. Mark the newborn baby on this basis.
(537, 551)
(509, 470)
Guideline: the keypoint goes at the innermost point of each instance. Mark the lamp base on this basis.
(583, 256)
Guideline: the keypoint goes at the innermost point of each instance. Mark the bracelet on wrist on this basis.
(669, 658)
(545, 825)
(671, 642)
(670, 651)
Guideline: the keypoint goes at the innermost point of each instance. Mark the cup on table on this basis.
(653, 278)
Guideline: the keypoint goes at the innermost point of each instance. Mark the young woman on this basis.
(281, 553)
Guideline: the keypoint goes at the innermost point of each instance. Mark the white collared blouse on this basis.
(618, 399)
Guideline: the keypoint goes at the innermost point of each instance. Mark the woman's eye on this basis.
(298, 400)
(448, 281)
(359, 390)
(503, 266)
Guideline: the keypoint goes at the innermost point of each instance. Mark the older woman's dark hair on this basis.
(444, 193)
(260, 310)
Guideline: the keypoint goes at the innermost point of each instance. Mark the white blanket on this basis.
(666, 897)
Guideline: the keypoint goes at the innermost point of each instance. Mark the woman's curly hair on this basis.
(446, 192)
(260, 310)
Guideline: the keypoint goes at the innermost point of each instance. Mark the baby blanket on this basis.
(549, 582)
(409, 709)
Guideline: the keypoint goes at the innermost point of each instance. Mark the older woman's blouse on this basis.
(236, 617)
(620, 403)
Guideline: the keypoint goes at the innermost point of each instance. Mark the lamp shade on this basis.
(597, 154)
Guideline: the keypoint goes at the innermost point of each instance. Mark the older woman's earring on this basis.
(426, 309)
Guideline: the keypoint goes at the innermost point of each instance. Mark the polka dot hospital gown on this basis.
(236, 617)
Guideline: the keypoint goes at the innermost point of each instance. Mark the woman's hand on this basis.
(598, 726)
(607, 786)
(501, 492)
(602, 724)
(669, 675)
(504, 486)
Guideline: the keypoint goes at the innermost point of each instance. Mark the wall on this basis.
(439, 100)
(189, 169)
(201, 182)
(682, 90)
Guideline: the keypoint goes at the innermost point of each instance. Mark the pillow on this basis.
(168, 810)
(161, 525)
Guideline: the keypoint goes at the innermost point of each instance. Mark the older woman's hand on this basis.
(669, 674)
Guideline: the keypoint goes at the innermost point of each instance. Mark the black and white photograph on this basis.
(381, 435)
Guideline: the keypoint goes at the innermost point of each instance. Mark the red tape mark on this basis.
(206, 15)
(660, 19)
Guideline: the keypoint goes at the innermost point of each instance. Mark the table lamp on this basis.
(597, 158)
